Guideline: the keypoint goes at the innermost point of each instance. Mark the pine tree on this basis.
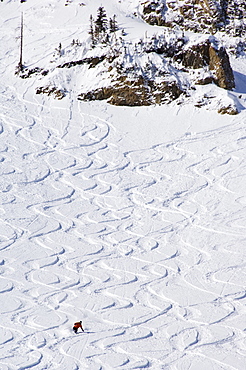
(59, 50)
(113, 27)
(101, 23)
(92, 32)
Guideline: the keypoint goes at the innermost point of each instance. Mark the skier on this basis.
(77, 325)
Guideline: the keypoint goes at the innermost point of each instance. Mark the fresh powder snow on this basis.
(129, 219)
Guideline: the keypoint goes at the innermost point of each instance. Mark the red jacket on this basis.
(77, 325)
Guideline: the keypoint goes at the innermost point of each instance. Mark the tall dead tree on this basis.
(20, 65)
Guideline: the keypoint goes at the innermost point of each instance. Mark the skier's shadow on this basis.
(86, 332)
(89, 332)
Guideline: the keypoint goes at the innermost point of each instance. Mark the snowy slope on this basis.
(129, 219)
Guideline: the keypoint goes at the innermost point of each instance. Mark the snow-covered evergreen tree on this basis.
(101, 23)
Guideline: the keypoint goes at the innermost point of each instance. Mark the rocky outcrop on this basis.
(92, 62)
(146, 85)
(196, 56)
(208, 55)
(153, 12)
(135, 92)
(51, 91)
(229, 109)
(197, 15)
(30, 72)
(220, 64)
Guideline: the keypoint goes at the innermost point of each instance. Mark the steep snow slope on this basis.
(130, 219)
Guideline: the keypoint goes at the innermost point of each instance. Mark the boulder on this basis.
(220, 64)
(196, 56)
(207, 54)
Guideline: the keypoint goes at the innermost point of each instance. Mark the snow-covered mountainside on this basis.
(122, 189)
(120, 58)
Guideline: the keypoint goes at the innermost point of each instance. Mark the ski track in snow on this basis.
(145, 246)
(139, 244)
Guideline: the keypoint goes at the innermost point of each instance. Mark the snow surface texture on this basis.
(129, 219)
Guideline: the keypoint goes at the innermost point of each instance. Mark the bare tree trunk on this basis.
(20, 65)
